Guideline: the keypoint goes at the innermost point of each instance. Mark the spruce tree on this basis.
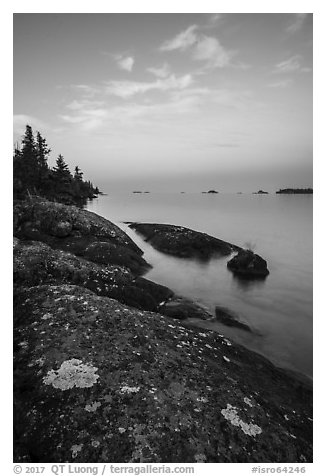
(26, 164)
(61, 170)
(78, 175)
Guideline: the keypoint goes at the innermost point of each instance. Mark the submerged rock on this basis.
(182, 308)
(97, 381)
(182, 242)
(228, 318)
(248, 265)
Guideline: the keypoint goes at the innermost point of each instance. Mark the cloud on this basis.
(21, 120)
(88, 91)
(215, 17)
(182, 41)
(281, 84)
(290, 65)
(78, 105)
(202, 47)
(297, 23)
(209, 49)
(126, 89)
(125, 63)
(88, 119)
(161, 72)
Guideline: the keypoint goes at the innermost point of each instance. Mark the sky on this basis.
(170, 102)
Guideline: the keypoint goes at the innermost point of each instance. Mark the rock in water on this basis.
(183, 242)
(229, 319)
(182, 308)
(248, 265)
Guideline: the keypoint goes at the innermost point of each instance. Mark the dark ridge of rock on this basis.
(229, 319)
(182, 308)
(37, 263)
(249, 265)
(160, 293)
(78, 231)
(182, 242)
(96, 381)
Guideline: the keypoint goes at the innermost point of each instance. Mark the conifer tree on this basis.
(61, 170)
(78, 175)
(42, 150)
(25, 163)
(33, 175)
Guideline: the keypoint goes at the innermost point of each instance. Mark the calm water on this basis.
(278, 227)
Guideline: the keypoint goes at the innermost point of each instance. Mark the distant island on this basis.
(260, 192)
(211, 191)
(295, 190)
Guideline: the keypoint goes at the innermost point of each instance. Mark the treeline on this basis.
(33, 176)
(291, 191)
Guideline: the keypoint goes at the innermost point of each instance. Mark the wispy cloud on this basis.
(125, 63)
(297, 22)
(82, 104)
(281, 84)
(85, 89)
(20, 121)
(88, 119)
(202, 47)
(160, 72)
(290, 65)
(182, 41)
(215, 17)
(126, 89)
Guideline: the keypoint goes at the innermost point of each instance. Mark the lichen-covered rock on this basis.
(182, 242)
(247, 264)
(61, 229)
(97, 381)
(105, 252)
(37, 263)
(39, 219)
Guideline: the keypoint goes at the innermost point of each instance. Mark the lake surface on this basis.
(277, 227)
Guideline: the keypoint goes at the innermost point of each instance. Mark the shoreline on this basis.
(51, 270)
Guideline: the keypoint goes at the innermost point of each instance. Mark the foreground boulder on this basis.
(182, 242)
(97, 381)
(248, 265)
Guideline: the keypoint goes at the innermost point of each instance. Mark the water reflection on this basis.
(247, 284)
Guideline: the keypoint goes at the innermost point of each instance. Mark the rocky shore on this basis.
(105, 371)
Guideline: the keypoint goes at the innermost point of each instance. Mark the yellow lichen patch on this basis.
(76, 449)
(230, 413)
(200, 458)
(92, 407)
(127, 389)
(72, 373)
